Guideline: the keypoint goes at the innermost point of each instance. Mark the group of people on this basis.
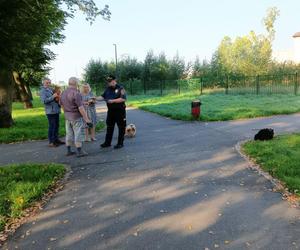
(80, 113)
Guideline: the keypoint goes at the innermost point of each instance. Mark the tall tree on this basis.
(176, 68)
(200, 68)
(269, 21)
(250, 54)
(160, 67)
(26, 27)
(148, 65)
(130, 69)
(95, 72)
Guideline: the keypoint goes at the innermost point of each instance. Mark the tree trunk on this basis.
(29, 93)
(23, 90)
(6, 95)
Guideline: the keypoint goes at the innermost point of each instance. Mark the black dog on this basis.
(264, 134)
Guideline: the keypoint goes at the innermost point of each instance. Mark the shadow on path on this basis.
(177, 185)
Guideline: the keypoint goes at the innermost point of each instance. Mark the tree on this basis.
(272, 14)
(250, 54)
(130, 69)
(95, 72)
(148, 65)
(26, 27)
(160, 68)
(200, 68)
(176, 67)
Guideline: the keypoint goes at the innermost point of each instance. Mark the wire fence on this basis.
(228, 84)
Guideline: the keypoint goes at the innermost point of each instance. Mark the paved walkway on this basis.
(177, 185)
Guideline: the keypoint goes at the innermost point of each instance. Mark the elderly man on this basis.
(52, 110)
(75, 116)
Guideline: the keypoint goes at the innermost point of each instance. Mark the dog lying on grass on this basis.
(264, 134)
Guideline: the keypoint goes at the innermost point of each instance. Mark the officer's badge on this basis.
(116, 91)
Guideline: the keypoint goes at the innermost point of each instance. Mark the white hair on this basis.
(45, 79)
(85, 85)
(73, 81)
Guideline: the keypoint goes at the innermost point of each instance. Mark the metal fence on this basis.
(228, 84)
(141, 87)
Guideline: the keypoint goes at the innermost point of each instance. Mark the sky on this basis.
(191, 28)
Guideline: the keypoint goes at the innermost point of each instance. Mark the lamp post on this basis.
(116, 58)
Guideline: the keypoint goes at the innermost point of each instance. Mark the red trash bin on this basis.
(196, 109)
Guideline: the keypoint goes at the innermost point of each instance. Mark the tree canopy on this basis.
(153, 68)
(27, 27)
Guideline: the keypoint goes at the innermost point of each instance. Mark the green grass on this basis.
(22, 184)
(280, 157)
(218, 107)
(31, 124)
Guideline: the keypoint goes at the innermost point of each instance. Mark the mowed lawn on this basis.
(31, 124)
(280, 157)
(22, 184)
(218, 107)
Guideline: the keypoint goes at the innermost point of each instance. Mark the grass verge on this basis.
(218, 107)
(22, 184)
(31, 124)
(280, 157)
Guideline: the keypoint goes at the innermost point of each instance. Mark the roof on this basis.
(296, 34)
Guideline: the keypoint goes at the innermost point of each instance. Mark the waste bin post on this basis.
(196, 110)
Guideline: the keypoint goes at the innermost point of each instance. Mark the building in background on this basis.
(297, 47)
(291, 54)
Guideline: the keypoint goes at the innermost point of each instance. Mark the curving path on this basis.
(177, 185)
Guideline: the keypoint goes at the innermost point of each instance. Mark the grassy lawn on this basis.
(31, 124)
(22, 184)
(218, 107)
(280, 157)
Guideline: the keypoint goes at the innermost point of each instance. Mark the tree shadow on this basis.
(175, 186)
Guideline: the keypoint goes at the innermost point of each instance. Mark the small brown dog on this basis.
(130, 130)
(57, 90)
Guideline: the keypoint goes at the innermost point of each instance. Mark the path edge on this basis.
(278, 185)
(36, 207)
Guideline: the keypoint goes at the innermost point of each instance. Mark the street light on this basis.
(116, 57)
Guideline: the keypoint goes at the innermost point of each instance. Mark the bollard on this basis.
(196, 110)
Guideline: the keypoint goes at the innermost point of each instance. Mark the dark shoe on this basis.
(70, 153)
(81, 154)
(52, 145)
(59, 142)
(118, 146)
(105, 145)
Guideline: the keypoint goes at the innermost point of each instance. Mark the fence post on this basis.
(227, 84)
(178, 83)
(161, 87)
(296, 84)
(257, 84)
(201, 85)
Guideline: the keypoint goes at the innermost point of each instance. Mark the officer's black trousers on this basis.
(115, 116)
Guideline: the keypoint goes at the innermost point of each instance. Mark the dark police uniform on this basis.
(116, 113)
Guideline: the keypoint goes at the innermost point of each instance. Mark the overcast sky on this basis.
(193, 27)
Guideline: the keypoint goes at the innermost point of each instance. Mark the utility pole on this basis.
(116, 58)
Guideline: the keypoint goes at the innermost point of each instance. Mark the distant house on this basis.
(297, 47)
(291, 54)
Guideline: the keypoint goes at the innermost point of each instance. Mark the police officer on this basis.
(115, 98)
